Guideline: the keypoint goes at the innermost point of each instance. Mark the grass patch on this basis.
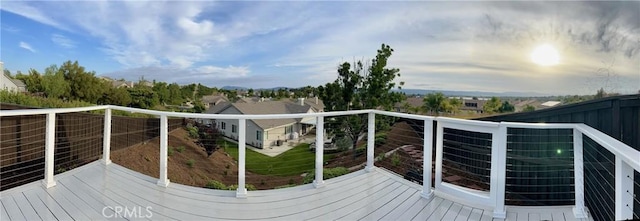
(293, 162)
(190, 163)
(180, 149)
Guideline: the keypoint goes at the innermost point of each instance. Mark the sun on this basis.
(545, 55)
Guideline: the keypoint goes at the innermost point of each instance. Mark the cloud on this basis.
(27, 47)
(63, 41)
(219, 72)
(20, 8)
(207, 74)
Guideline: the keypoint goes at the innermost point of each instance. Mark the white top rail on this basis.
(467, 122)
(403, 115)
(619, 149)
(539, 125)
(5, 113)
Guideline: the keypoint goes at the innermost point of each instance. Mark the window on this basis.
(223, 125)
(258, 135)
(234, 128)
(288, 129)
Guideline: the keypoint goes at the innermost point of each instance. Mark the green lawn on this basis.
(293, 162)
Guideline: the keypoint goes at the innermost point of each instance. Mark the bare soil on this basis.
(144, 158)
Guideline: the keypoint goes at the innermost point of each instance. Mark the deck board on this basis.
(95, 190)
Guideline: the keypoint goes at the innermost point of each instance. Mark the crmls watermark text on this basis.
(127, 212)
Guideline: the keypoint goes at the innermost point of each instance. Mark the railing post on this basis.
(319, 182)
(50, 146)
(242, 158)
(106, 139)
(624, 190)
(164, 147)
(498, 171)
(578, 174)
(371, 136)
(427, 149)
(439, 157)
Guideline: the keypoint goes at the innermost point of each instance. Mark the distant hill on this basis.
(473, 93)
(234, 88)
(258, 89)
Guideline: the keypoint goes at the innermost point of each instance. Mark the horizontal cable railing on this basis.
(540, 167)
(476, 162)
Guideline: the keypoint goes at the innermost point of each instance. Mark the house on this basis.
(410, 103)
(11, 84)
(264, 133)
(475, 105)
(122, 83)
(213, 100)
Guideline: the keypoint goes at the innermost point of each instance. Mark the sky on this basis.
(464, 46)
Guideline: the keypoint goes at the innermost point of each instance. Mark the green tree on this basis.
(175, 95)
(435, 103)
(360, 88)
(161, 89)
(33, 80)
(143, 97)
(492, 106)
(528, 108)
(453, 105)
(117, 96)
(507, 107)
(250, 92)
(53, 83)
(83, 85)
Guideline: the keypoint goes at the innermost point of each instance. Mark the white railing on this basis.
(627, 159)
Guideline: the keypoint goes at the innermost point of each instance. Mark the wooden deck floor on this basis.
(96, 191)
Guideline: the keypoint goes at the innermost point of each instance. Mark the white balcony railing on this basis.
(627, 160)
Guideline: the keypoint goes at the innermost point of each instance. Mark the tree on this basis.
(175, 95)
(435, 103)
(507, 107)
(528, 108)
(492, 106)
(250, 92)
(83, 85)
(33, 80)
(360, 88)
(453, 105)
(160, 88)
(117, 96)
(54, 84)
(143, 97)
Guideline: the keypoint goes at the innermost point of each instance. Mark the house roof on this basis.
(214, 99)
(271, 107)
(412, 101)
(17, 82)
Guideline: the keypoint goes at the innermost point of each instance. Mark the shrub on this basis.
(170, 151)
(193, 132)
(214, 184)
(326, 174)
(180, 149)
(380, 139)
(190, 163)
(395, 159)
(248, 186)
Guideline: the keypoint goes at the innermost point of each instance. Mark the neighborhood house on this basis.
(267, 133)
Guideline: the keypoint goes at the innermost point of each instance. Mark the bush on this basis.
(193, 132)
(395, 159)
(214, 184)
(180, 149)
(248, 186)
(170, 151)
(326, 174)
(190, 163)
(380, 139)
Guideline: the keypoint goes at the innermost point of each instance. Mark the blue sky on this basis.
(482, 46)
